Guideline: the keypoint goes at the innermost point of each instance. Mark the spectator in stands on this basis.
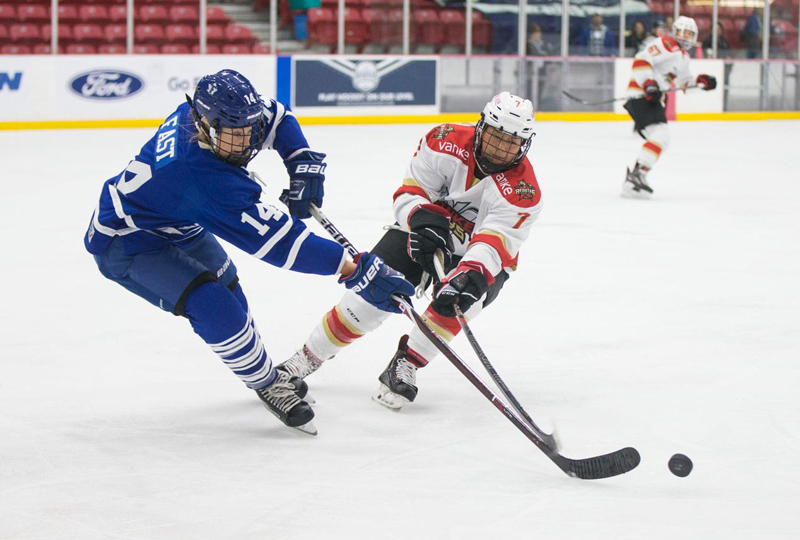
(723, 47)
(668, 22)
(537, 46)
(659, 28)
(751, 33)
(638, 35)
(596, 39)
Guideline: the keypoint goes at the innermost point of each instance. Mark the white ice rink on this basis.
(670, 325)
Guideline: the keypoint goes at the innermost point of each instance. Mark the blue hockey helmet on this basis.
(230, 113)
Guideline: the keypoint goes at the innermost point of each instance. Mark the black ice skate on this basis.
(302, 364)
(635, 185)
(398, 381)
(282, 401)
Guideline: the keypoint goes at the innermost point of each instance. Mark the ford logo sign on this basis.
(106, 84)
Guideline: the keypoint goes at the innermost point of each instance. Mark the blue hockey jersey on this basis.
(174, 190)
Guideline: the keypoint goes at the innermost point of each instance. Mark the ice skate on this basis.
(635, 185)
(282, 401)
(302, 364)
(398, 381)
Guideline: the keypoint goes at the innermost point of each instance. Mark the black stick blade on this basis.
(605, 466)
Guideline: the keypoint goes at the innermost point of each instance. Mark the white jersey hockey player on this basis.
(661, 62)
(469, 192)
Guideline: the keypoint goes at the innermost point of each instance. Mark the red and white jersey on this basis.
(490, 217)
(662, 60)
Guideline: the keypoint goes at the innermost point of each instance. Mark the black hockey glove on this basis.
(651, 90)
(463, 286)
(306, 177)
(429, 230)
(708, 82)
(376, 282)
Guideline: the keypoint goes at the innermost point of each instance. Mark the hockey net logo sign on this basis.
(365, 81)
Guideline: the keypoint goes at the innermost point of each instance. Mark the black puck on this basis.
(680, 465)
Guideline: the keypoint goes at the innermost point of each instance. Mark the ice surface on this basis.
(671, 325)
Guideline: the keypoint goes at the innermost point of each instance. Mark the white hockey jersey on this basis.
(490, 217)
(662, 60)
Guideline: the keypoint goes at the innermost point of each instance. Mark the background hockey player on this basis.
(153, 229)
(470, 193)
(661, 62)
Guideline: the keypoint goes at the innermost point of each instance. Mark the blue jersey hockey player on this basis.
(153, 230)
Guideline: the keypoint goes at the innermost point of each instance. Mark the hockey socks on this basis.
(349, 320)
(221, 318)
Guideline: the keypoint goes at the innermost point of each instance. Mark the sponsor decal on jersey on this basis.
(10, 80)
(106, 84)
(443, 131)
(166, 142)
(525, 191)
(454, 150)
(504, 184)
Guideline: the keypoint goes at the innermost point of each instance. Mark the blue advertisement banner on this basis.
(343, 82)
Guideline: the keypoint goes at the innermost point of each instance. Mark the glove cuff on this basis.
(419, 217)
(465, 266)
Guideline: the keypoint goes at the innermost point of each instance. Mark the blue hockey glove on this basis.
(463, 286)
(306, 177)
(375, 282)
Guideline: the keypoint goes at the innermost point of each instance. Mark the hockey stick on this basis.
(593, 468)
(548, 438)
(607, 101)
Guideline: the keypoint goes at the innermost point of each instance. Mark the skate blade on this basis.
(310, 400)
(308, 428)
(629, 193)
(384, 396)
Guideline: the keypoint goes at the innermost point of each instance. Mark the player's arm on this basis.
(306, 167)
(501, 231)
(426, 175)
(704, 81)
(643, 77)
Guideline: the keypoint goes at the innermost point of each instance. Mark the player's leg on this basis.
(172, 280)
(352, 317)
(398, 382)
(650, 121)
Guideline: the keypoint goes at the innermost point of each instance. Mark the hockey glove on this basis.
(375, 282)
(306, 177)
(708, 82)
(429, 230)
(464, 286)
(651, 90)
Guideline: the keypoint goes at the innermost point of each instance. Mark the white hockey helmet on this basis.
(511, 115)
(685, 30)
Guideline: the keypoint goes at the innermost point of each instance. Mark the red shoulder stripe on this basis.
(414, 190)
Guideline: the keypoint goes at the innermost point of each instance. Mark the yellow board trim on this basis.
(410, 119)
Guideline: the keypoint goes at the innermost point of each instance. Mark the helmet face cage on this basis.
(491, 140)
(685, 29)
(229, 105)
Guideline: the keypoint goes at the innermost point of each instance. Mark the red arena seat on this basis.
(261, 48)
(180, 33)
(3, 34)
(15, 49)
(118, 14)
(22, 34)
(45, 48)
(175, 48)
(216, 15)
(214, 34)
(64, 32)
(116, 34)
(87, 34)
(355, 31)
(153, 15)
(376, 24)
(8, 15)
(239, 35)
(321, 27)
(33, 13)
(481, 30)
(455, 32)
(426, 28)
(184, 15)
(149, 34)
(109, 48)
(81, 48)
(68, 14)
(94, 14)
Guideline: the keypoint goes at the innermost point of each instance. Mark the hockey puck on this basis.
(680, 465)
